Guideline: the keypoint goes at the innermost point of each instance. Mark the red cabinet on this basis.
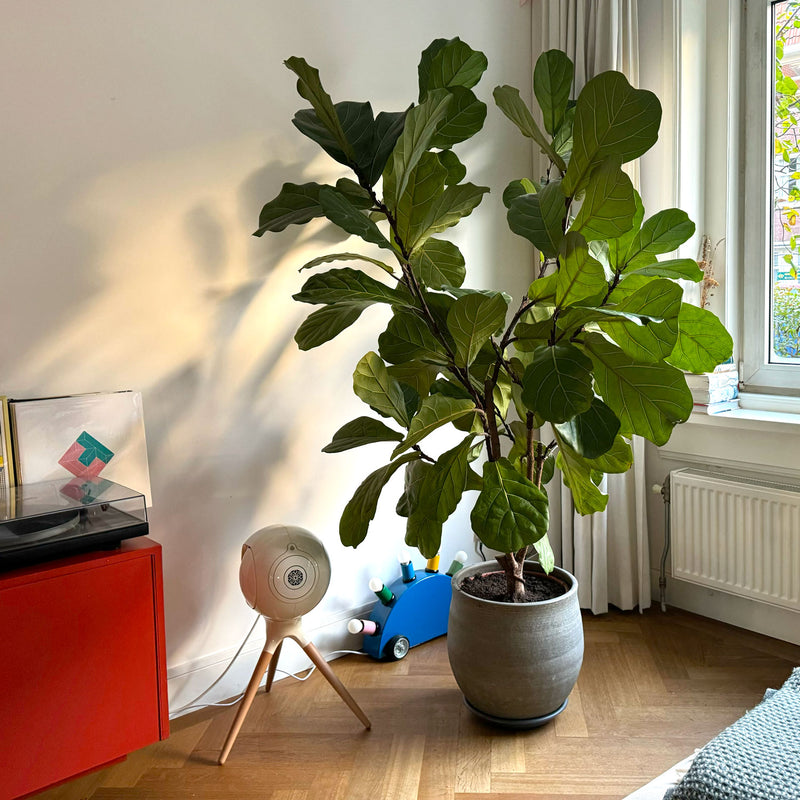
(82, 664)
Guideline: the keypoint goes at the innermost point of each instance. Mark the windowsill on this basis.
(756, 412)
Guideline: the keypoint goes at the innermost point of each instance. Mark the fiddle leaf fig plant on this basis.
(594, 353)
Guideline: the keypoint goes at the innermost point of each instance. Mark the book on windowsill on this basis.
(715, 408)
(716, 394)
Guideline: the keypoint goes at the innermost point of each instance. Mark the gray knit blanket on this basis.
(757, 758)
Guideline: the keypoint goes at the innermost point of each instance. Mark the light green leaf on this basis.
(562, 141)
(441, 490)
(552, 82)
(326, 323)
(648, 399)
(577, 474)
(309, 86)
(676, 269)
(618, 247)
(514, 107)
(361, 431)
(609, 205)
(425, 183)
(341, 212)
(611, 118)
(592, 433)
(439, 263)
(618, 459)
(435, 411)
(315, 262)
(450, 63)
(416, 374)
(545, 554)
(347, 286)
(379, 390)
(471, 321)
(539, 218)
(418, 132)
(425, 534)
(580, 276)
(557, 384)
(360, 510)
(662, 233)
(511, 512)
(702, 341)
(654, 341)
(408, 338)
(414, 476)
(464, 118)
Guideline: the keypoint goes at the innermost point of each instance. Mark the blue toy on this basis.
(413, 609)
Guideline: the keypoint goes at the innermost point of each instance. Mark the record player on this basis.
(40, 521)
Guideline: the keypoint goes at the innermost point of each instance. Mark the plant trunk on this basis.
(513, 564)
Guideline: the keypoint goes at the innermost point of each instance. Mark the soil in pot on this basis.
(493, 586)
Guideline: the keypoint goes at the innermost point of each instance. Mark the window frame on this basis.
(756, 372)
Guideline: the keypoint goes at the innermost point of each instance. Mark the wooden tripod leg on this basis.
(252, 687)
(330, 675)
(273, 665)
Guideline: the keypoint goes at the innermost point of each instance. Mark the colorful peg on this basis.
(365, 626)
(406, 567)
(385, 595)
(433, 564)
(457, 563)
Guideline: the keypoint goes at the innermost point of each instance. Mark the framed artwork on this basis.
(83, 437)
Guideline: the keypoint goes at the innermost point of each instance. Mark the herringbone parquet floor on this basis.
(652, 689)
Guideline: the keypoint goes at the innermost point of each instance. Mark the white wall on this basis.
(140, 141)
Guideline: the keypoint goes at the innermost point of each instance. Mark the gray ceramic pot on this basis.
(516, 663)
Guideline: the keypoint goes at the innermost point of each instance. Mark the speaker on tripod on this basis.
(284, 574)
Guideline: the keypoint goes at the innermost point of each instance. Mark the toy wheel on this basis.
(397, 648)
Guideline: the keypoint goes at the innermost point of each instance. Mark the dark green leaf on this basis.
(387, 130)
(435, 411)
(702, 341)
(408, 338)
(539, 218)
(677, 269)
(562, 142)
(340, 211)
(415, 475)
(326, 323)
(464, 118)
(356, 123)
(295, 205)
(425, 183)
(379, 390)
(450, 63)
(471, 321)
(315, 262)
(618, 247)
(346, 286)
(611, 118)
(511, 512)
(552, 82)
(580, 276)
(557, 384)
(448, 208)
(445, 482)
(618, 459)
(517, 189)
(416, 374)
(662, 233)
(609, 206)
(592, 433)
(425, 534)
(360, 510)
(439, 263)
(648, 399)
(456, 171)
(361, 431)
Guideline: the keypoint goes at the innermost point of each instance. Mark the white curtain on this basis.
(607, 552)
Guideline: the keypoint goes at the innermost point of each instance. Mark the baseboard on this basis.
(743, 612)
(187, 680)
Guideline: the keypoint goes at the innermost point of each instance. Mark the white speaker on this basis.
(285, 571)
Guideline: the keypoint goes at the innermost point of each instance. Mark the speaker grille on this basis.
(295, 577)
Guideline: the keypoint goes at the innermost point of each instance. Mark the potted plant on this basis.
(592, 354)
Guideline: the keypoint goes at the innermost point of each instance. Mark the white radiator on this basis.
(736, 534)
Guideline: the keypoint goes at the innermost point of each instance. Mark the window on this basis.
(771, 302)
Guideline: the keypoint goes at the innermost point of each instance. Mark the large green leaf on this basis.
(464, 118)
(360, 510)
(439, 263)
(660, 298)
(361, 431)
(514, 107)
(441, 490)
(609, 205)
(545, 554)
(580, 276)
(540, 217)
(424, 533)
(618, 459)
(557, 384)
(511, 512)
(378, 389)
(562, 141)
(425, 183)
(611, 118)
(702, 341)
(577, 474)
(420, 127)
(471, 321)
(315, 262)
(446, 64)
(447, 209)
(592, 433)
(662, 233)
(340, 211)
(552, 82)
(326, 323)
(456, 171)
(648, 399)
(414, 476)
(577, 316)
(356, 123)
(435, 411)
(310, 87)
(618, 247)
(408, 338)
(387, 130)
(346, 286)
(518, 188)
(685, 269)
(416, 374)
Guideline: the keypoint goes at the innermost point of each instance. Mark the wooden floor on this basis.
(652, 689)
